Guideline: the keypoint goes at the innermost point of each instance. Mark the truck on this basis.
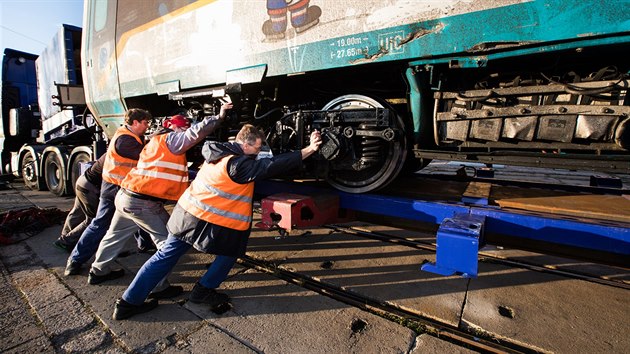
(390, 84)
(48, 132)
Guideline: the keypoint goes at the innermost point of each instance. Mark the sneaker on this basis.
(72, 268)
(123, 309)
(171, 291)
(63, 246)
(94, 279)
(202, 295)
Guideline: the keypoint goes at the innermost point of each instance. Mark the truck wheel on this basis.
(54, 174)
(29, 172)
(75, 172)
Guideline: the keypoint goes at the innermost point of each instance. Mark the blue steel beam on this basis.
(562, 230)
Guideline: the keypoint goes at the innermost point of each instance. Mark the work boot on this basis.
(123, 309)
(171, 291)
(72, 268)
(202, 295)
(94, 279)
(63, 246)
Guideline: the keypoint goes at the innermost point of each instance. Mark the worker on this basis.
(161, 175)
(87, 191)
(122, 155)
(213, 215)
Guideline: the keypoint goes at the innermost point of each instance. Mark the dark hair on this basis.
(249, 134)
(138, 114)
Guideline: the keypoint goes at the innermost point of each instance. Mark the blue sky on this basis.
(29, 25)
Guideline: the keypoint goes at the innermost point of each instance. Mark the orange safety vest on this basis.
(117, 167)
(215, 198)
(159, 172)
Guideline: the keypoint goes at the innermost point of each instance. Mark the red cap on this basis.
(178, 121)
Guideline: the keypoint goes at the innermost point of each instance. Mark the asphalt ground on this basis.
(43, 311)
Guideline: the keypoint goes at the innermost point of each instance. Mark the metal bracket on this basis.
(458, 242)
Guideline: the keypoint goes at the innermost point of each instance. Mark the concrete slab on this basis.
(271, 315)
(561, 263)
(19, 331)
(143, 331)
(386, 272)
(550, 261)
(549, 312)
(212, 339)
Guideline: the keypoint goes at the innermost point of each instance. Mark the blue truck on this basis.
(48, 132)
(391, 84)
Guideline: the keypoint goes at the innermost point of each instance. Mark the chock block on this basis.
(290, 211)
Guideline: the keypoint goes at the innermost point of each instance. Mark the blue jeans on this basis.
(92, 236)
(163, 261)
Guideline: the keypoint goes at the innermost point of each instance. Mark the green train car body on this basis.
(387, 81)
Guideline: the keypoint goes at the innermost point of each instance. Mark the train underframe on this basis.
(560, 109)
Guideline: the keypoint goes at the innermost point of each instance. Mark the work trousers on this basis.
(162, 263)
(131, 214)
(92, 236)
(83, 211)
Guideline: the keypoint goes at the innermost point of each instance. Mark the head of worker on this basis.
(250, 139)
(177, 123)
(138, 120)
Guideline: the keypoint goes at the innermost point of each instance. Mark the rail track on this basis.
(420, 324)
(461, 335)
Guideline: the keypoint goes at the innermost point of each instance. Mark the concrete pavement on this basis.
(43, 311)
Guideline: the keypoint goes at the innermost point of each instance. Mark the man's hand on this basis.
(315, 142)
(224, 108)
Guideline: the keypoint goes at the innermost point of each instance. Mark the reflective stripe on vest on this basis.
(215, 198)
(159, 172)
(116, 167)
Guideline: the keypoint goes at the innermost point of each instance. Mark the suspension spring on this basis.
(370, 148)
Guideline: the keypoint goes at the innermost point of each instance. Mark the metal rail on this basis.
(414, 321)
(486, 257)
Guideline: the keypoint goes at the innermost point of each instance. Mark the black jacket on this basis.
(211, 238)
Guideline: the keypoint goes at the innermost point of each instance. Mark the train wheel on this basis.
(75, 173)
(29, 172)
(53, 174)
(391, 154)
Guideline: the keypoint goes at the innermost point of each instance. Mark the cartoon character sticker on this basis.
(303, 17)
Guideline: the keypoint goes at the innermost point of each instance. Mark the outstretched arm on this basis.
(180, 142)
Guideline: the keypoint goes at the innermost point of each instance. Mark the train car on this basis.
(391, 84)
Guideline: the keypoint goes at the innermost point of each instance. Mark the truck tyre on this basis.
(28, 170)
(54, 174)
(75, 172)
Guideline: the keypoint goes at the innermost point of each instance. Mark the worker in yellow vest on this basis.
(160, 176)
(213, 215)
(122, 155)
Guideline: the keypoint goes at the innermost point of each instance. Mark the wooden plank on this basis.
(606, 207)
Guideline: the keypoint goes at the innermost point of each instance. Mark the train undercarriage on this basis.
(380, 121)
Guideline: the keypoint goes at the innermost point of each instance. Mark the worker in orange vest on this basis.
(122, 155)
(87, 191)
(161, 175)
(213, 215)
